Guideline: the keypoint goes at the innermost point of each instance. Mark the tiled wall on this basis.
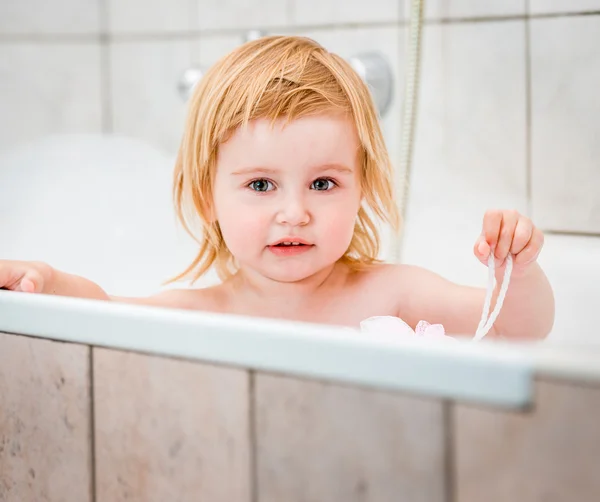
(118, 426)
(509, 109)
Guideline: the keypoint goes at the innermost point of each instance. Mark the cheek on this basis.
(240, 226)
(339, 222)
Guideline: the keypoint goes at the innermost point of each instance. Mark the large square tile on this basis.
(473, 8)
(558, 6)
(48, 89)
(40, 17)
(317, 441)
(565, 121)
(210, 48)
(207, 49)
(311, 12)
(470, 149)
(551, 453)
(249, 14)
(44, 421)
(135, 16)
(146, 103)
(169, 430)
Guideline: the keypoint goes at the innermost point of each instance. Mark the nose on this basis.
(293, 211)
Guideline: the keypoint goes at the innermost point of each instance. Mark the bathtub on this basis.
(110, 402)
(101, 207)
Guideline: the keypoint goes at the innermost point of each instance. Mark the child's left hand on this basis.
(509, 232)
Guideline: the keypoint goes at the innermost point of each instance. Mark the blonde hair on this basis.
(275, 77)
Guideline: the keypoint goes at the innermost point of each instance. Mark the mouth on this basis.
(289, 247)
(287, 243)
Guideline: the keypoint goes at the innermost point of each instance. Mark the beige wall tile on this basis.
(48, 89)
(248, 14)
(473, 8)
(44, 421)
(565, 123)
(135, 16)
(311, 12)
(211, 48)
(169, 430)
(558, 6)
(549, 454)
(144, 83)
(55, 17)
(320, 442)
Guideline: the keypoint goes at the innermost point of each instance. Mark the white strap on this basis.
(486, 323)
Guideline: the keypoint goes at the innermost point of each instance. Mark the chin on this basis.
(291, 273)
(289, 276)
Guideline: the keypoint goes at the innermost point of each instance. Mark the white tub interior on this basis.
(95, 206)
(101, 207)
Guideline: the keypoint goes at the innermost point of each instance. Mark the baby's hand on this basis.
(509, 232)
(25, 276)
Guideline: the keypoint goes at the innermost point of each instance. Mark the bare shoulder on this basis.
(207, 299)
(400, 278)
(392, 282)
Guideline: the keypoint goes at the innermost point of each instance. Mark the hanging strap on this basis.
(486, 323)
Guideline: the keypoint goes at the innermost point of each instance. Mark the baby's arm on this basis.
(528, 309)
(426, 296)
(37, 277)
(527, 312)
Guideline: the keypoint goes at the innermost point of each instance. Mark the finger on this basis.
(532, 250)
(481, 249)
(507, 231)
(32, 282)
(522, 235)
(491, 227)
(11, 278)
(27, 285)
(8, 280)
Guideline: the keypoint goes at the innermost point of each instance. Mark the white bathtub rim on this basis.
(488, 373)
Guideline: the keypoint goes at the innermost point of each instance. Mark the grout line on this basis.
(563, 14)
(528, 133)
(508, 17)
(37, 38)
(187, 34)
(449, 471)
(92, 425)
(252, 436)
(571, 233)
(192, 34)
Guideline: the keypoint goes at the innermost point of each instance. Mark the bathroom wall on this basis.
(508, 110)
(98, 425)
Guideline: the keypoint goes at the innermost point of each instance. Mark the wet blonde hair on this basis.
(276, 77)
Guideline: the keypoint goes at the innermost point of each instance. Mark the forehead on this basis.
(304, 142)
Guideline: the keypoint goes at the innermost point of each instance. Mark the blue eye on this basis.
(261, 185)
(322, 184)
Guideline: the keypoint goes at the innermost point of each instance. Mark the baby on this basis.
(282, 177)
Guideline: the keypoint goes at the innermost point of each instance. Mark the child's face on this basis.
(301, 183)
